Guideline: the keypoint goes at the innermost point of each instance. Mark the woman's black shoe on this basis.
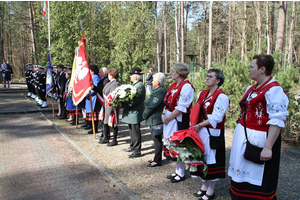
(88, 127)
(155, 165)
(202, 193)
(208, 196)
(177, 179)
(171, 176)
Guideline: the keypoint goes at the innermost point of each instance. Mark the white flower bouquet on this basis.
(123, 93)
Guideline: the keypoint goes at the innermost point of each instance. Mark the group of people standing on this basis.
(7, 71)
(36, 83)
(263, 112)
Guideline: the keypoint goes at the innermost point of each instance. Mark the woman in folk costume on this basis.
(71, 108)
(96, 102)
(178, 101)
(211, 121)
(111, 117)
(264, 109)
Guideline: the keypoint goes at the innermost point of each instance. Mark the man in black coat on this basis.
(61, 85)
(103, 74)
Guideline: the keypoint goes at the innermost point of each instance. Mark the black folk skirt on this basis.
(267, 190)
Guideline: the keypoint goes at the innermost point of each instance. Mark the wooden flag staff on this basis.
(52, 103)
(90, 96)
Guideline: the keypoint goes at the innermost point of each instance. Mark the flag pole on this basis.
(90, 96)
(49, 49)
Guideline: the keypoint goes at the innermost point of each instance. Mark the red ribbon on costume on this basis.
(100, 99)
(112, 119)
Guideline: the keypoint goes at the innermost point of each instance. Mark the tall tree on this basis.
(182, 30)
(257, 7)
(31, 17)
(158, 56)
(210, 35)
(2, 10)
(176, 32)
(244, 36)
(229, 29)
(280, 28)
(291, 40)
(271, 34)
(165, 38)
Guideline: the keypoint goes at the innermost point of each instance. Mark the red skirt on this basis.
(96, 116)
(73, 112)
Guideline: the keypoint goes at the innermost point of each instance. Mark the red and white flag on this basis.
(83, 80)
(45, 8)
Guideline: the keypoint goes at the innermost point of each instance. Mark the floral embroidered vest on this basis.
(256, 108)
(173, 95)
(208, 106)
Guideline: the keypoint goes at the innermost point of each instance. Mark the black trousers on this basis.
(158, 145)
(63, 108)
(42, 95)
(33, 89)
(136, 137)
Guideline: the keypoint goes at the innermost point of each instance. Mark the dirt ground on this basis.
(151, 183)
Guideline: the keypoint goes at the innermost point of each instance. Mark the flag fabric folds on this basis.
(83, 80)
(49, 78)
(70, 87)
(45, 8)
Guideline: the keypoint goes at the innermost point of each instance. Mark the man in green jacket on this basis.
(133, 113)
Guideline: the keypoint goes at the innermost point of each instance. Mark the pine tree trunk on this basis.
(165, 38)
(182, 31)
(1, 34)
(176, 33)
(244, 39)
(272, 27)
(280, 28)
(157, 40)
(257, 5)
(204, 37)
(267, 27)
(32, 26)
(291, 42)
(229, 30)
(210, 36)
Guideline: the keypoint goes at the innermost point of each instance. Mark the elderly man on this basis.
(133, 113)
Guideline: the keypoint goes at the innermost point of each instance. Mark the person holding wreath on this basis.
(211, 124)
(264, 110)
(113, 83)
(178, 101)
(153, 108)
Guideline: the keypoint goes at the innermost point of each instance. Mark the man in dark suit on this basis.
(103, 74)
(61, 85)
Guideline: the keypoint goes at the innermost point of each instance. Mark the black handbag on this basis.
(252, 152)
(185, 122)
(157, 130)
(215, 142)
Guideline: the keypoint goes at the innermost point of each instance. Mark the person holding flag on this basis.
(96, 103)
(49, 79)
(83, 83)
